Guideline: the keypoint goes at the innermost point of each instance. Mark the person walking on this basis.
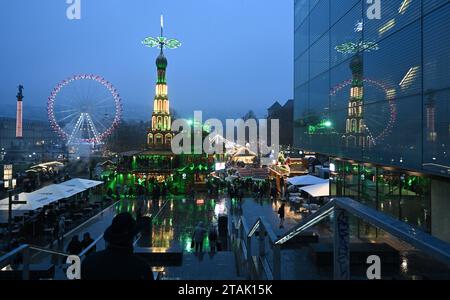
(130, 192)
(198, 236)
(118, 192)
(75, 247)
(125, 191)
(61, 229)
(241, 194)
(281, 212)
(212, 237)
(156, 192)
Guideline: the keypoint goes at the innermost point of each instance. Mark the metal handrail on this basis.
(12, 254)
(24, 249)
(49, 251)
(425, 242)
(264, 228)
(161, 209)
(88, 248)
(308, 222)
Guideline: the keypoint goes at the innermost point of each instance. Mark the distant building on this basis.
(285, 114)
(38, 140)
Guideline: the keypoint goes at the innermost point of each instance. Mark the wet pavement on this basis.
(174, 226)
(205, 266)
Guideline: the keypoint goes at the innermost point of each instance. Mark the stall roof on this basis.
(318, 190)
(38, 199)
(34, 201)
(82, 183)
(61, 191)
(306, 180)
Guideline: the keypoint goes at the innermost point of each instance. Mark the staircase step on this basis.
(221, 266)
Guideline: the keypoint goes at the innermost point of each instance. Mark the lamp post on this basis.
(10, 185)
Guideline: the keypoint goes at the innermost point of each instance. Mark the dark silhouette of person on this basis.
(74, 246)
(117, 261)
(198, 236)
(212, 236)
(86, 242)
(281, 213)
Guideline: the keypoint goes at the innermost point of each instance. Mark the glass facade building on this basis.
(374, 94)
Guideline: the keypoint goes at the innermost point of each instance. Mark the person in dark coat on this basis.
(74, 246)
(86, 242)
(117, 262)
(198, 236)
(212, 236)
(281, 212)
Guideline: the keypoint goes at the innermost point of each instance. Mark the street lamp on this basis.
(10, 185)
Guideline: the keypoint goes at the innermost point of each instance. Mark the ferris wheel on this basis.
(84, 109)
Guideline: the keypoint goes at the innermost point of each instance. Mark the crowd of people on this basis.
(76, 247)
(138, 191)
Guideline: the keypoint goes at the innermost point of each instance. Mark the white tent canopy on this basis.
(318, 190)
(46, 196)
(60, 191)
(33, 202)
(82, 183)
(306, 180)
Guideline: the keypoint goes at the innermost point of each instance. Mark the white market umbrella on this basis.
(60, 191)
(306, 180)
(82, 183)
(33, 201)
(318, 190)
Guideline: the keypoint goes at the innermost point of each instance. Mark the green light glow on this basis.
(323, 125)
(163, 42)
(352, 48)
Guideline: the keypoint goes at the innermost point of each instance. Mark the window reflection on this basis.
(406, 197)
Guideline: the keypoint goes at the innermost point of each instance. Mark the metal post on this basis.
(276, 262)
(262, 240)
(249, 253)
(341, 245)
(10, 201)
(26, 264)
(151, 233)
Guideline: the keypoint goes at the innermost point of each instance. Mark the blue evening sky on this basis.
(237, 55)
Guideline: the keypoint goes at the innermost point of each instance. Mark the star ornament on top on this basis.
(356, 47)
(361, 46)
(161, 41)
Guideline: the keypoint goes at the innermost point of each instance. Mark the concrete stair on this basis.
(221, 266)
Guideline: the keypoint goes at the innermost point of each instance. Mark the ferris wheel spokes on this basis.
(85, 122)
(79, 110)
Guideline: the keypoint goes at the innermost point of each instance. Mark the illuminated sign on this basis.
(220, 166)
(332, 167)
(7, 172)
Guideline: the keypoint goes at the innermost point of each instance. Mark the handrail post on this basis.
(26, 263)
(248, 245)
(262, 240)
(341, 243)
(262, 243)
(276, 262)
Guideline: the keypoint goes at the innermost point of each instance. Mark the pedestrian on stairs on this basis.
(281, 212)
